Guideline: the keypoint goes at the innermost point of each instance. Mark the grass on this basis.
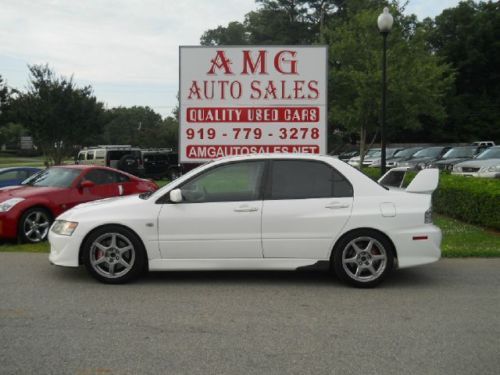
(11, 247)
(460, 240)
(466, 240)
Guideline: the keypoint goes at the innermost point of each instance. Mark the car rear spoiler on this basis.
(425, 182)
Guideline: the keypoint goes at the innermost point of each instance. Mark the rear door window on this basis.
(303, 179)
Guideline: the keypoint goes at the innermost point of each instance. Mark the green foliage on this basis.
(4, 101)
(57, 114)
(467, 37)
(10, 134)
(473, 200)
(234, 34)
(417, 80)
(139, 126)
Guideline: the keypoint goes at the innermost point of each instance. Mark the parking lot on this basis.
(437, 319)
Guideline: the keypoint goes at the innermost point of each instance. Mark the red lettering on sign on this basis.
(221, 62)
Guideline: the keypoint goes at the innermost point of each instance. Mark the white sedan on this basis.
(256, 212)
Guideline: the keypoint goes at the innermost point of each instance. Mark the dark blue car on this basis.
(15, 175)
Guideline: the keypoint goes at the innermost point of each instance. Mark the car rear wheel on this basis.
(363, 258)
(113, 255)
(34, 225)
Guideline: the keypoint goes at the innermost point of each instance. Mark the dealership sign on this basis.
(251, 99)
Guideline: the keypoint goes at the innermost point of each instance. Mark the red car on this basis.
(27, 211)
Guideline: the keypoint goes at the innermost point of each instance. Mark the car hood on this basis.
(26, 191)
(101, 205)
(415, 161)
(450, 161)
(479, 163)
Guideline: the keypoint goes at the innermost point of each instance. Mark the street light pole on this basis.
(384, 91)
(384, 23)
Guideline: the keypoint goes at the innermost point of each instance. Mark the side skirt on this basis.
(235, 264)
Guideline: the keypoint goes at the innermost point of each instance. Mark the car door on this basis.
(219, 217)
(306, 205)
(104, 185)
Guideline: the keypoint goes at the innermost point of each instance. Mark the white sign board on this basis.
(252, 99)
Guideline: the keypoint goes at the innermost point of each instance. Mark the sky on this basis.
(127, 50)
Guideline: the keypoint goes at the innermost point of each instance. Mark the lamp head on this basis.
(385, 21)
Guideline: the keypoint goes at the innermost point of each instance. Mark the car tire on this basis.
(363, 258)
(34, 225)
(129, 164)
(114, 254)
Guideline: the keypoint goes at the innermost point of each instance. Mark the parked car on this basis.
(398, 156)
(454, 156)
(345, 156)
(486, 164)
(123, 157)
(264, 212)
(372, 156)
(158, 163)
(26, 211)
(15, 175)
(423, 158)
(483, 144)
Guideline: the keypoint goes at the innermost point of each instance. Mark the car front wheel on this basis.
(34, 225)
(363, 258)
(113, 255)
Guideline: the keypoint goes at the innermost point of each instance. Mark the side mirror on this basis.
(86, 184)
(176, 196)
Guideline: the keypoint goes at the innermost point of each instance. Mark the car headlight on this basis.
(9, 203)
(495, 168)
(457, 169)
(63, 227)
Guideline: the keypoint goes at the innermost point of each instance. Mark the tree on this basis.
(57, 113)
(418, 80)
(140, 126)
(467, 37)
(4, 101)
(234, 34)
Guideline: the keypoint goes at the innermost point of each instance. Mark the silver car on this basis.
(486, 164)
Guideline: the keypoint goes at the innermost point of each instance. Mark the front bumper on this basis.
(417, 246)
(8, 224)
(64, 250)
(478, 174)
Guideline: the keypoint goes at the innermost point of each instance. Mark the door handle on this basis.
(245, 209)
(336, 205)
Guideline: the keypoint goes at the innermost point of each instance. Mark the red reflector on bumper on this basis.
(416, 238)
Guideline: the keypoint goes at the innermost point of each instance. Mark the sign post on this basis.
(252, 99)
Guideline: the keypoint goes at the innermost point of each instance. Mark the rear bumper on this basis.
(417, 246)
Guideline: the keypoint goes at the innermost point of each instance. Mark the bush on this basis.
(472, 200)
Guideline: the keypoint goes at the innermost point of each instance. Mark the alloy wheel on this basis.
(112, 255)
(364, 259)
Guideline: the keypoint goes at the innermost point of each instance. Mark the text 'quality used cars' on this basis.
(257, 212)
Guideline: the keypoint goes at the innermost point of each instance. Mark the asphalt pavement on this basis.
(442, 318)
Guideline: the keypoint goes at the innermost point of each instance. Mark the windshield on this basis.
(53, 177)
(373, 153)
(491, 153)
(428, 152)
(460, 152)
(406, 152)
